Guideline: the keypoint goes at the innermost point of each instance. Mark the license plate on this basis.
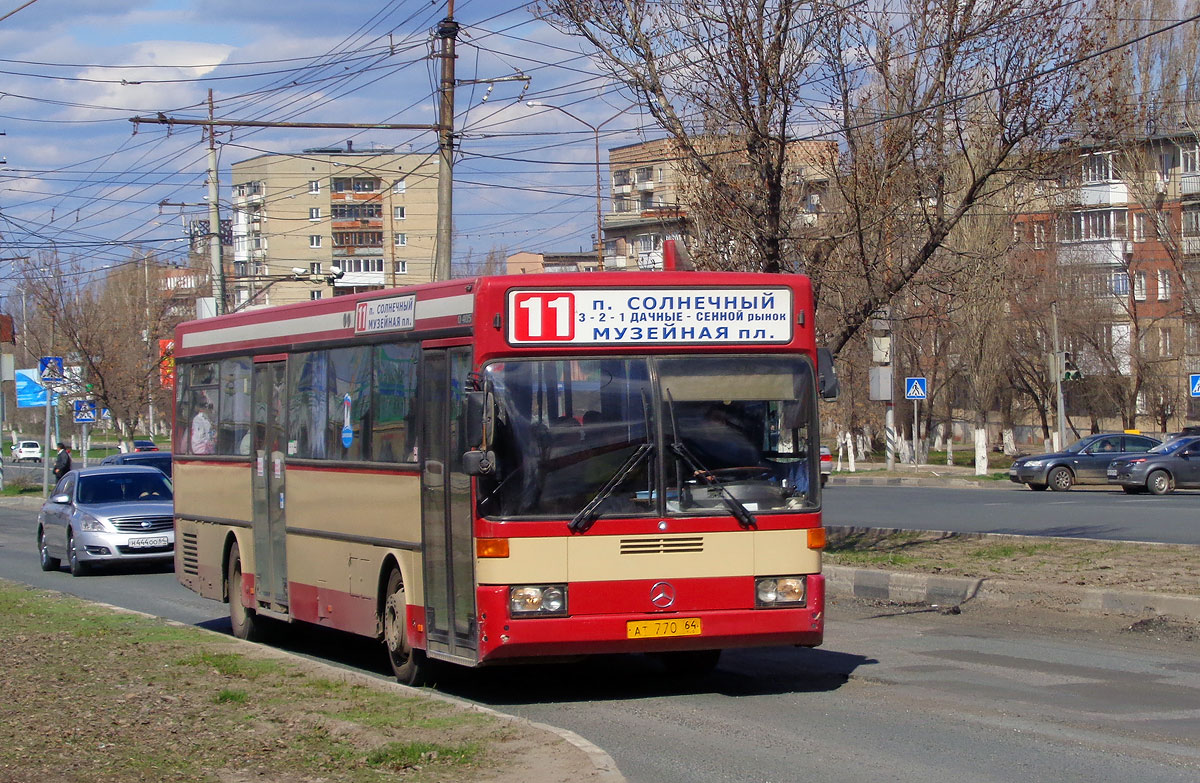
(657, 629)
(1112, 474)
(140, 543)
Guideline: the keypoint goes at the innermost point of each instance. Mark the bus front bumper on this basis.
(502, 638)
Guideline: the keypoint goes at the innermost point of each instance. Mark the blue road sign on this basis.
(914, 389)
(50, 368)
(30, 391)
(85, 411)
(1194, 384)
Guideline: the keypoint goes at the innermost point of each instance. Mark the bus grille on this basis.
(190, 554)
(661, 546)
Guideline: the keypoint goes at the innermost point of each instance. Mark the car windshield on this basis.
(123, 488)
(1172, 446)
(606, 434)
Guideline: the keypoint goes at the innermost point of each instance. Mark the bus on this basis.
(511, 468)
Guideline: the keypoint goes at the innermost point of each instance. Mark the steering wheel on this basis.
(741, 472)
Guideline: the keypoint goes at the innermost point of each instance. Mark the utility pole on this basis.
(214, 217)
(447, 31)
(1056, 368)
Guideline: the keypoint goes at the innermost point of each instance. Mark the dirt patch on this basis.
(104, 695)
(1118, 565)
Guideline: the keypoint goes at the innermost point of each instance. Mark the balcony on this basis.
(1104, 194)
(622, 190)
(1102, 252)
(1189, 184)
(646, 186)
(1191, 246)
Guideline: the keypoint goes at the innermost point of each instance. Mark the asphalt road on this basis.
(979, 697)
(1090, 513)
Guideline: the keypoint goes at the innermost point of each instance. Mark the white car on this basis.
(826, 464)
(27, 449)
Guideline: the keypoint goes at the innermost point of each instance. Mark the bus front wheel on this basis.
(244, 620)
(410, 666)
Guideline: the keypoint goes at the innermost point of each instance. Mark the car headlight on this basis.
(541, 600)
(91, 524)
(780, 590)
(1032, 463)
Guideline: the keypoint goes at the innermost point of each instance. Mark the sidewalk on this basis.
(923, 475)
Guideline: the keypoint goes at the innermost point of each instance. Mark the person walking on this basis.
(62, 464)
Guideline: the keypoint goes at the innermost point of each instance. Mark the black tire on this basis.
(1159, 482)
(1037, 487)
(824, 479)
(243, 619)
(78, 567)
(1060, 479)
(410, 666)
(690, 663)
(48, 563)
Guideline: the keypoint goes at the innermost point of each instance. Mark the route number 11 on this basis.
(543, 316)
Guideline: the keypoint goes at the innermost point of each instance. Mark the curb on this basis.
(910, 481)
(936, 590)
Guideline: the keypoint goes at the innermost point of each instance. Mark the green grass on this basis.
(403, 755)
(232, 696)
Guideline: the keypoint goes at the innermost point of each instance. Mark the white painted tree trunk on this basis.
(1010, 442)
(950, 446)
(981, 451)
(850, 450)
(938, 430)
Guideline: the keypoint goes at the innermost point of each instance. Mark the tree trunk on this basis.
(981, 445)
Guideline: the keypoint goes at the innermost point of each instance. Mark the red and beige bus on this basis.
(501, 469)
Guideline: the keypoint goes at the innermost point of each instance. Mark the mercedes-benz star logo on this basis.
(662, 594)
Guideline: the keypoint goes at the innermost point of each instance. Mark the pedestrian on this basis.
(204, 436)
(62, 464)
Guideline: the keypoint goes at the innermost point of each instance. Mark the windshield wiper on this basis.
(588, 514)
(735, 506)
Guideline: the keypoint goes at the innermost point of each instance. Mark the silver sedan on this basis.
(107, 515)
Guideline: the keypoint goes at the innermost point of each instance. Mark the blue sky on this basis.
(79, 179)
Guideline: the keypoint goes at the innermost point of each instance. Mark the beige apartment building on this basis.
(300, 219)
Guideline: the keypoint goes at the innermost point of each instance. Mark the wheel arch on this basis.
(390, 561)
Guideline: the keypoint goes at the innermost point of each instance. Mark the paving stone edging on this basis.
(945, 591)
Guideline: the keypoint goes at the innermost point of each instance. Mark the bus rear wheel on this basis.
(410, 666)
(244, 620)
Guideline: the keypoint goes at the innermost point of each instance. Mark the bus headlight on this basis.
(780, 591)
(537, 600)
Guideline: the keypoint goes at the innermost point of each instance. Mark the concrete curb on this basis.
(936, 590)
(915, 481)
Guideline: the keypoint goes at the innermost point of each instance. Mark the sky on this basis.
(79, 178)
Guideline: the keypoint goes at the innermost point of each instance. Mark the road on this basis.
(977, 697)
(1092, 513)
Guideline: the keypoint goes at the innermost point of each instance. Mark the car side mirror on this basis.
(61, 499)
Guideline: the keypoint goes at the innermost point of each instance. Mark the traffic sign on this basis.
(914, 388)
(1194, 384)
(50, 369)
(85, 411)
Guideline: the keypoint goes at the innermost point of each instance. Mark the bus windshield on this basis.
(639, 436)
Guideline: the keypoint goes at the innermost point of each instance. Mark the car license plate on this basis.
(1112, 473)
(145, 543)
(657, 629)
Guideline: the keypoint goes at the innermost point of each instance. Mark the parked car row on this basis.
(1137, 463)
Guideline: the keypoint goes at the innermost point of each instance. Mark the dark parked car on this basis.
(1083, 462)
(107, 514)
(1164, 468)
(155, 459)
(144, 445)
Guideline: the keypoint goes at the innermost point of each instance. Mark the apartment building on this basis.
(1119, 236)
(299, 219)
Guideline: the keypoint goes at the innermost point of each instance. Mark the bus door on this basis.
(448, 549)
(267, 448)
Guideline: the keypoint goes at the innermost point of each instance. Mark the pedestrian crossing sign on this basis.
(914, 388)
(1194, 384)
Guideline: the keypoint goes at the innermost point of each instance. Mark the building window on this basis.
(1191, 336)
(1039, 236)
(402, 267)
(341, 184)
(1189, 159)
(1164, 284)
(1097, 168)
(314, 268)
(1191, 222)
(1165, 348)
(399, 186)
(1093, 225)
(397, 213)
(365, 185)
(314, 240)
(1139, 286)
(356, 211)
(314, 186)
(314, 213)
(314, 295)
(401, 240)
(1139, 227)
(1119, 283)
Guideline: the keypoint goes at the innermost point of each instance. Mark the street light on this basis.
(596, 135)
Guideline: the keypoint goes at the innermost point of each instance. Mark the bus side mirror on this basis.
(480, 419)
(479, 463)
(827, 381)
